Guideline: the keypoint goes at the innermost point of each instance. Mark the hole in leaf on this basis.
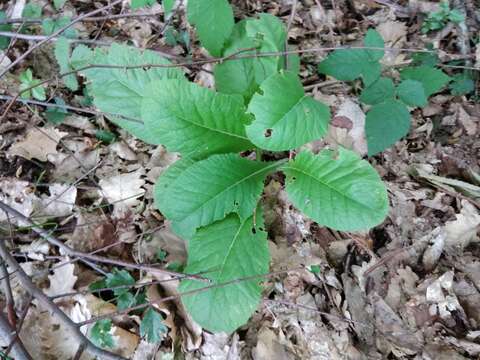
(254, 231)
(268, 133)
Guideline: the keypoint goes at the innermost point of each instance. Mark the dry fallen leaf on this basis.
(38, 144)
(62, 281)
(123, 190)
(463, 230)
(19, 195)
(348, 127)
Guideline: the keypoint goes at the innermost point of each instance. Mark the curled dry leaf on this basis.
(38, 144)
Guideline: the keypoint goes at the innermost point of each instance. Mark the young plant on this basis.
(439, 19)
(388, 118)
(212, 196)
(26, 81)
(120, 282)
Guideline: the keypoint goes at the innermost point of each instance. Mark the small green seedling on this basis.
(439, 19)
(27, 81)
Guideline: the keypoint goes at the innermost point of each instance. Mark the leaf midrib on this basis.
(329, 187)
(211, 129)
(266, 168)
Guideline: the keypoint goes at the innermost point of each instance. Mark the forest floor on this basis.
(407, 289)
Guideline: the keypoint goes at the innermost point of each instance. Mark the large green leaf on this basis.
(213, 20)
(231, 249)
(210, 189)
(385, 124)
(339, 191)
(350, 64)
(237, 76)
(270, 35)
(432, 79)
(243, 76)
(285, 118)
(121, 91)
(160, 193)
(194, 120)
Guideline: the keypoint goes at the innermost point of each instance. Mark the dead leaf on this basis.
(62, 281)
(348, 128)
(19, 195)
(123, 190)
(60, 202)
(268, 347)
(38, 144)
(463, 230)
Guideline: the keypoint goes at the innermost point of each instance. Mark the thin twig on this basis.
(28, 37)
(7, 289)
(95, 258)
(21, 319)
(56, 33)
(53, 308)
(8, 334)
(87, 19)
(185, 293)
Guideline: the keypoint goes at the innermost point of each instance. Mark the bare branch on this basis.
(9, 335)
(56, 33)
(190, 292)
(89, 257)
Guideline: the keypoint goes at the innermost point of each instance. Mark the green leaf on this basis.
(433, 80)
(213, 20)
(412, 93)
(62, 54)
(152, 327)
(50, 26)
(425, 58)
(38, 92)
(210, 189)
(462, 84)
(269, 34)
(350, 64)
(101, 335)
(105, 136)
(242, 76)
(4, 41)
(374, 39)
(339, 191)
(32, 10)
(385, 124)
(59, 4)
(168, 6)
(121, 91)
(237, 76)
(194, 120)
(285, 118)
(381, 90)
(56, 115)
(26, 76)
(119, 278)
(125, 300)
(456, 16)
(232, 249)
(135, 4)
